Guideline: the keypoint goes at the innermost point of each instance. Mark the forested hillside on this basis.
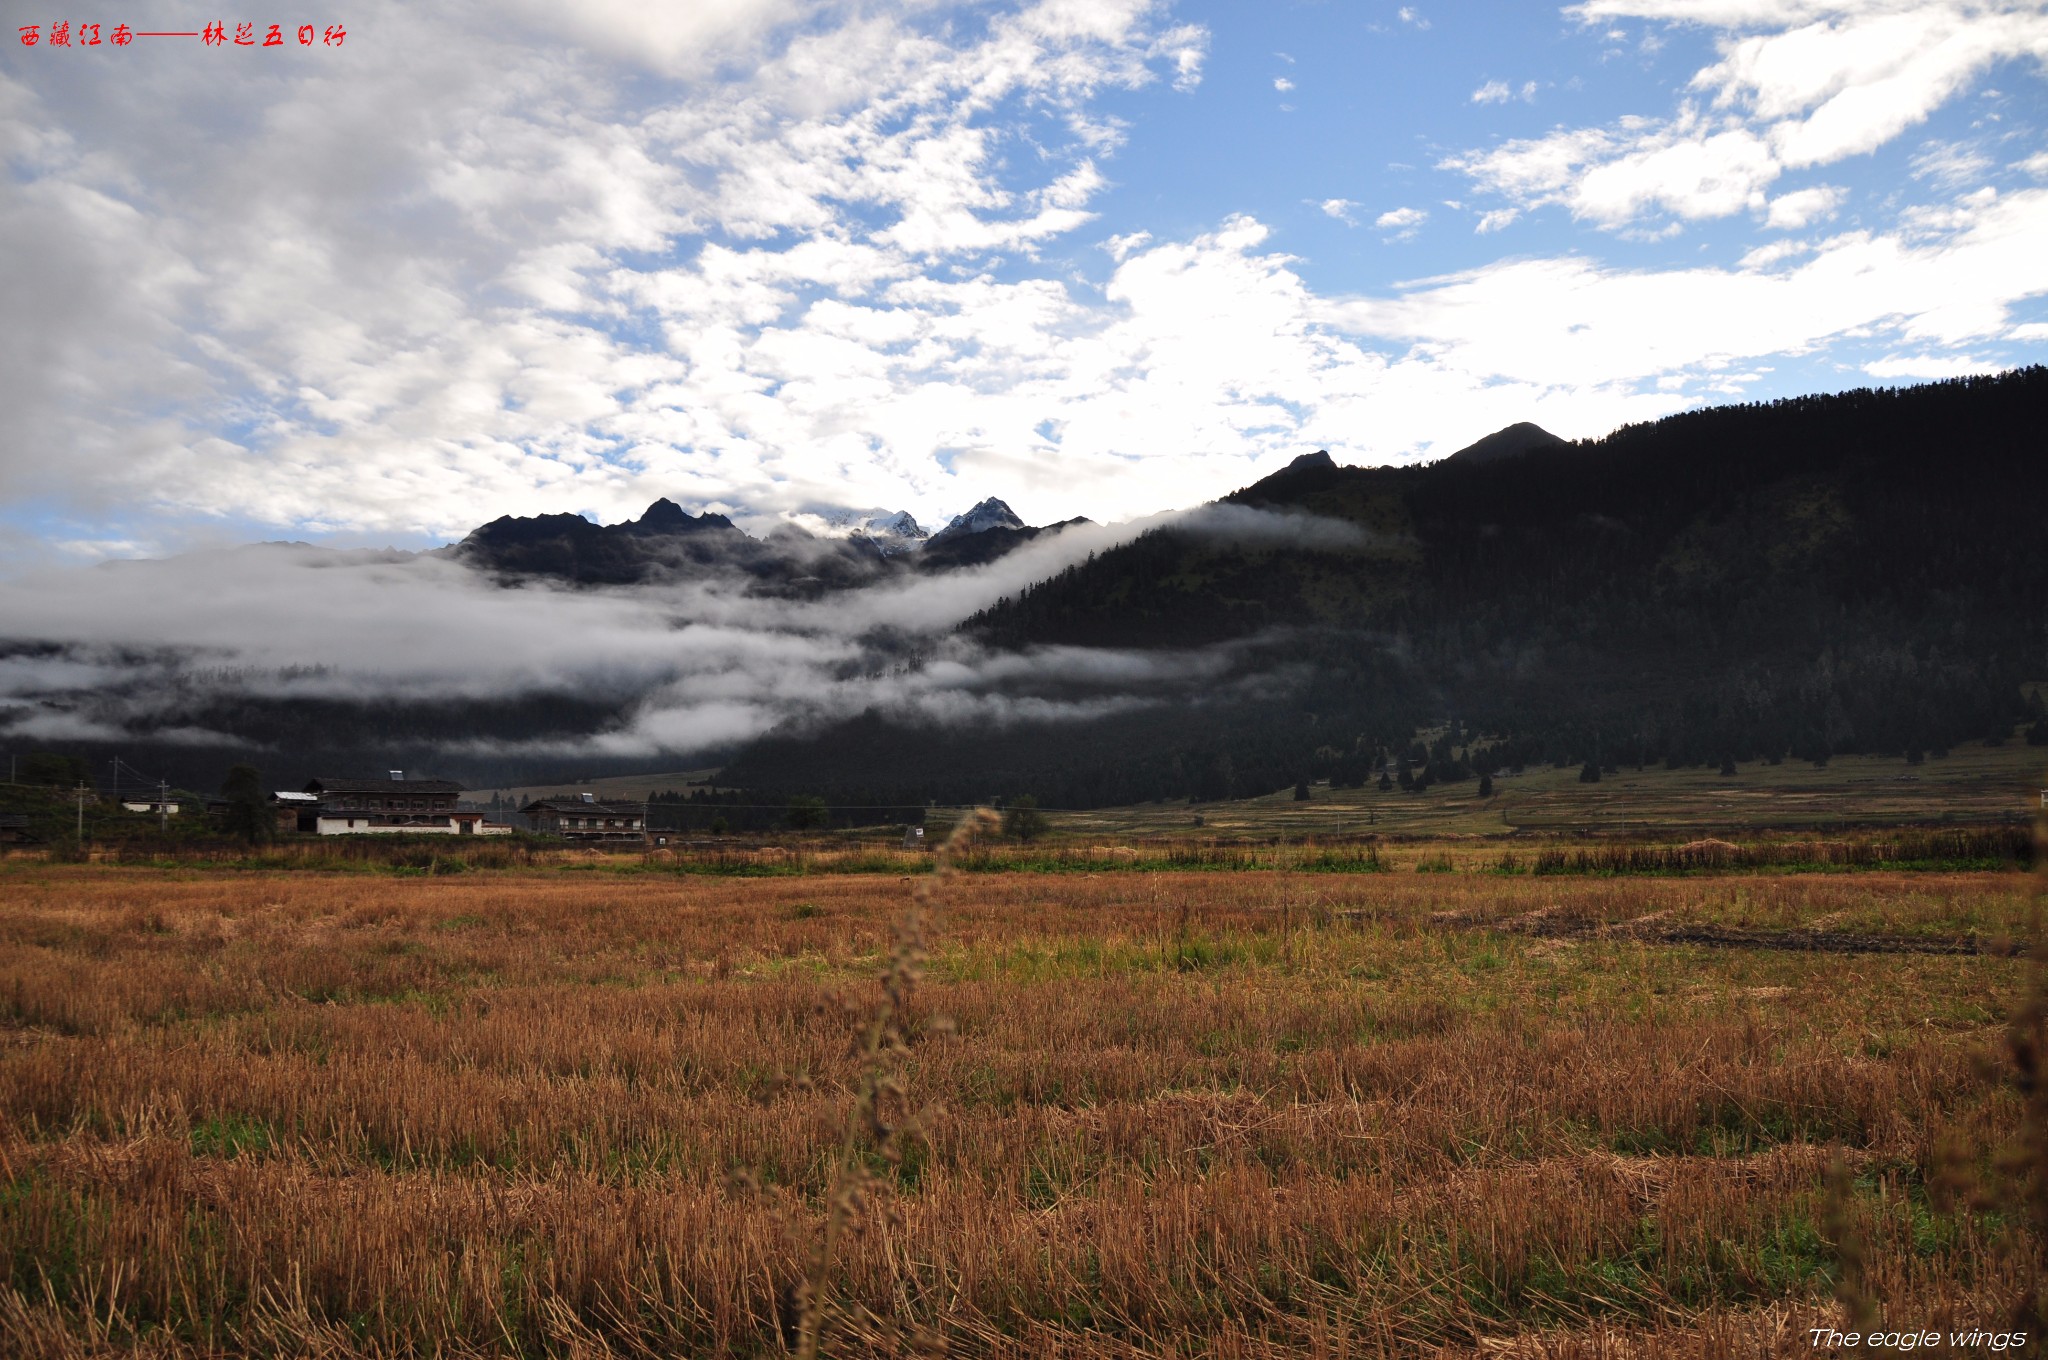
(1859, 572)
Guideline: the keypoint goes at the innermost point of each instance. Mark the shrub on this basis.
(1023, 821)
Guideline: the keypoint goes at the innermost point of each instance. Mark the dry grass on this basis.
(1221, 1114)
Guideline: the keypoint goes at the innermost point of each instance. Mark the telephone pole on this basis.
(81, 812)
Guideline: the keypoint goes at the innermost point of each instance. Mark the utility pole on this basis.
(81, 812)
(163, 805)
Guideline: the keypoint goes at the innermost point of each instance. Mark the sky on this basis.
(1095, 257)
(352, 297)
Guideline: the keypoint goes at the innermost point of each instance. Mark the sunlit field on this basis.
(551, 1112)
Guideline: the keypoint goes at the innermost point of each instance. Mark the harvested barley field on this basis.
(551, 1112)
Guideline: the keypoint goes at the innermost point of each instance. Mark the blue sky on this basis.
(1099, 258)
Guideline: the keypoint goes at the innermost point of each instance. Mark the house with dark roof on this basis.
(392, 805)
(583, 818)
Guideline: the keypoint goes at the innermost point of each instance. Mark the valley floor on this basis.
(544, 1112)
(1974, 783)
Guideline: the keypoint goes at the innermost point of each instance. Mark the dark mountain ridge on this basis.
(1517, 439)
(1912, 497)
(667, 543)
(1830, 573)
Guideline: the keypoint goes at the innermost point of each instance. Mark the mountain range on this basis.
(667, 544)
(1858, 572)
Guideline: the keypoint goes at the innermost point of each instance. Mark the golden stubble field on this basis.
(1232, 1114)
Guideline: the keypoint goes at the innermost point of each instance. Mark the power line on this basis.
(140, 777)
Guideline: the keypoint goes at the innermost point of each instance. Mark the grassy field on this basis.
(553, 1112)
(1973, 783)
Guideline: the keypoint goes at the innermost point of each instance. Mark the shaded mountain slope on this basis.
(949, 551)
(1830, 573)
(1911, 503)
(1519, 438)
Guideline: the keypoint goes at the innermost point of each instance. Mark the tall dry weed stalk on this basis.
(2022, 1167)
(2010, 1178)
(882, 1112)
(1852, 1288)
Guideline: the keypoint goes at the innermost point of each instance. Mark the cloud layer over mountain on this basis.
(126, 650)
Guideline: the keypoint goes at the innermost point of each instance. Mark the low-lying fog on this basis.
(132, 650)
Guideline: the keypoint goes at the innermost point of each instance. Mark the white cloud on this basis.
(1282, 84)
(1548, 323)
(1409, 15)
(1926, 367)
(676, 40)
(1763, 257)
(1823, 82)
(1790, 212)
(420, 279)
(1341, 209)
(1496, 219)
(1499, 92)
(1402, 223)
(1120, 246)
(1936, 220)
(1613, 177)
(1950, 165)
(1849, 83)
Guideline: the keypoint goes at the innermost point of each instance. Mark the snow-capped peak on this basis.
(891, 531)
(990, 514)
